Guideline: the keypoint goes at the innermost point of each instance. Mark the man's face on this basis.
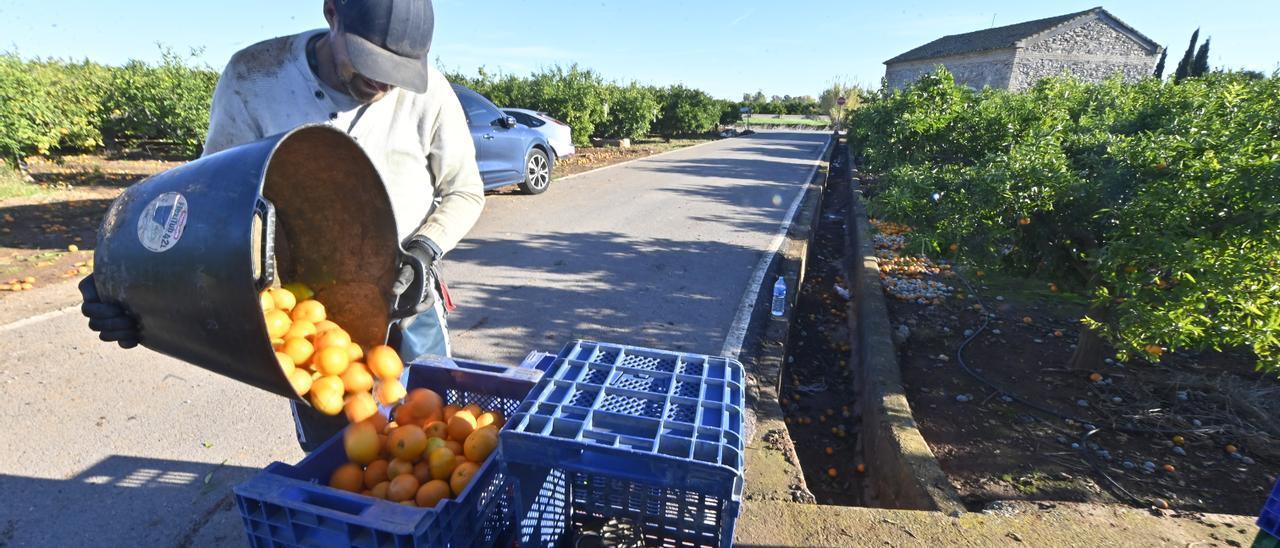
(363, 89)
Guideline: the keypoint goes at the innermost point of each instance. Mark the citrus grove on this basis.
(1159, 201)
(429, 452)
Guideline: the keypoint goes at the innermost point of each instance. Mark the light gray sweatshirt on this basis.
(420, 143)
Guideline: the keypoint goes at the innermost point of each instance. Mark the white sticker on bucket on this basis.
(160, 226)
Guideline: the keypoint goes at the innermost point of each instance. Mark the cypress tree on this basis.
(1159, 72)
(1184, 66)
(1200, 66)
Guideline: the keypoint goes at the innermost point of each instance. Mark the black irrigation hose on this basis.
(1084, 448)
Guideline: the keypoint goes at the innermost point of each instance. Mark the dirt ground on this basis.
(1212, 440)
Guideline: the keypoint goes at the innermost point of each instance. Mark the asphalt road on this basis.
(103, 446)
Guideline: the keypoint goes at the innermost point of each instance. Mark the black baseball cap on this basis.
(388, 40)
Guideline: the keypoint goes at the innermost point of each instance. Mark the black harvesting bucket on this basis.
(187, 251)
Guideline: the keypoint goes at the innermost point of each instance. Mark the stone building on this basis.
(1092, 45)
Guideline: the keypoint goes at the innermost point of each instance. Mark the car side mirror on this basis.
(507, 122)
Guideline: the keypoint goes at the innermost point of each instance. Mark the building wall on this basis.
(976, 70)
(1091, 50)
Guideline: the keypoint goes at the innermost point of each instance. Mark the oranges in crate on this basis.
(420, 457)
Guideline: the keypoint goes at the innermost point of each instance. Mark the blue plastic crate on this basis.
(630, 443)
(289, 505)
(1269, 519)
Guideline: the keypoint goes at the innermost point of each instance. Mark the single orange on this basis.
(301, 329)
(455, 447)
(277, 344)
(491, 418)
(278, 323)
(461, 425)
(299, 349)
(286, 363)
(333, 337)
(1154, 349)
(310, 310)
(283, 299)
(480, 444)
(402, 488)
(375, 473)
(436, 429)
(422, 471)
(1168, 468)
(832, 472)
(1095, 377)
(407, 442)
(325, 325)
(425, 402)
(380, 490)
(378, 421)
(355, 352)
(360, 406)
(301, 381)
(448, 412)
(1230, 449)
(431, 493)
(433, 443)
(384, 362)
(398, 467)
(265, 301)
(861, 468)
(404, 415)
(331, 361)
(474, 409)
(390, 391)
(442, 462)
(829, 451)
(357, 378)
(348, 477)
(462, 476)
(361, 443)
(326, 395)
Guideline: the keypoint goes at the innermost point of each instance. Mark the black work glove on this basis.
(415, 287)
(109, 320)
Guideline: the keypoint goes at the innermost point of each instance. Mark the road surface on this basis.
(110, 447)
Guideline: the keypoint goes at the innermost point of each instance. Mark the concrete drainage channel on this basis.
(835, 458)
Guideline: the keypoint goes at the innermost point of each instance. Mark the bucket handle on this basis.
(266, 213)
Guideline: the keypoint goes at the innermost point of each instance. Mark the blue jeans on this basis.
(426, 333)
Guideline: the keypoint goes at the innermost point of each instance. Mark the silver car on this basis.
(556, 132)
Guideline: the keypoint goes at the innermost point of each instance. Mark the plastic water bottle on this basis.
(779, 297)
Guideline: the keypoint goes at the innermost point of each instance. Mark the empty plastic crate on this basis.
(1269, 519)
(290, 505)
(632, 444)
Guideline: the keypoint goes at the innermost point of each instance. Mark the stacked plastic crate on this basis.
(631, 445)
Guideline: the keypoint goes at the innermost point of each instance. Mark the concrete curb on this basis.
(905, 473)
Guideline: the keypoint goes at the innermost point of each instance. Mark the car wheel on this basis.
(537, 173)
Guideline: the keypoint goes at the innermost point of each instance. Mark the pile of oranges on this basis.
(429, 453)
(322, 362)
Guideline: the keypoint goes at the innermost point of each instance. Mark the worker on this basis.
(368, 74)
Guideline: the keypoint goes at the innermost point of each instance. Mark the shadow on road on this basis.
(548, 289)
(53, 225)
(122, 501)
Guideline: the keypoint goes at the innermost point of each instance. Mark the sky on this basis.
(725, 48)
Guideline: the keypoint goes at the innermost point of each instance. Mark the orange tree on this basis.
(1162, 201)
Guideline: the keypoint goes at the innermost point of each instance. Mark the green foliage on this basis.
(730, 113)
(827, 100)
(630, 112)
(167, 102)
(686, 111)
(1162, 199)
(28, 116)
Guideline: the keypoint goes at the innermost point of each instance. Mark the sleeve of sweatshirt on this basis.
(452, 161)
(229, 120)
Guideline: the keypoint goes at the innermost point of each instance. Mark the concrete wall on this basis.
(976, 70)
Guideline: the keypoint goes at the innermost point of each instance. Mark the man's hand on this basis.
(415, 288)
(109, 320)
